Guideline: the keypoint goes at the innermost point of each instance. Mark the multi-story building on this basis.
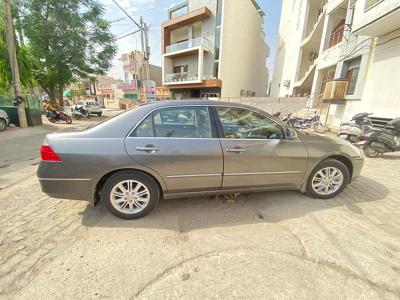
(135, 74)
(342, 53)
(215, 48)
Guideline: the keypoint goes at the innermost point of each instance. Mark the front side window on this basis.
(239, 123)
(185, 122)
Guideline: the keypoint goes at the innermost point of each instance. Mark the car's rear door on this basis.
(256, 152)
(181, 144)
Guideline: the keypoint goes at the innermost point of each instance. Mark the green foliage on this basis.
(24, 62)
(68, 39)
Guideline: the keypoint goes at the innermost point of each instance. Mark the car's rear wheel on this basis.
(3, 124)
(130, 194)
(328, 179)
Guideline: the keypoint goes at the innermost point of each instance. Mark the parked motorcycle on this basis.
(384, 140)
(355, 130)
(59, 115)
(79, 112)
(306, 122)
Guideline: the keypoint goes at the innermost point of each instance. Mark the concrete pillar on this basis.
(315, 88)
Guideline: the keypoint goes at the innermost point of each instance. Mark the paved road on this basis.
(267, 245)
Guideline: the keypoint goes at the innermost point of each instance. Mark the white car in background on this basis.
(4, 120)
(91, 106)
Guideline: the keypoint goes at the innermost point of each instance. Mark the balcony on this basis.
(183, 77)
(314, 32)
(187, 46)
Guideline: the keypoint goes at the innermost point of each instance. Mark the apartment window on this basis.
(181, 69)
(352, 75)
(370, 3)
(337, 34)
(179, 11)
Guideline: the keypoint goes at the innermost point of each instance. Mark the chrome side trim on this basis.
(67, 179)
(262, 173)
(192, 175)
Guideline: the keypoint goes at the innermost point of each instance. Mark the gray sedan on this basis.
(175, 149)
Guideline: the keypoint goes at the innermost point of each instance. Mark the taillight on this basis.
(48, 154)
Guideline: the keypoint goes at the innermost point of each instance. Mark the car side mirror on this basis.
(291, 133)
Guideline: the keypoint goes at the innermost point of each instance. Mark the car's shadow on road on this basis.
(184, 215)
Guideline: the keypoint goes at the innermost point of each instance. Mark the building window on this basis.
(352, 75)
(179, 11)
(370, 3)
(181, 69)
(337, 34)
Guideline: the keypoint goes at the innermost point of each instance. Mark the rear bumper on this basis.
(75, 189)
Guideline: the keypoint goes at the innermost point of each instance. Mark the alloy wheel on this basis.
(130, 196)
(327, 181)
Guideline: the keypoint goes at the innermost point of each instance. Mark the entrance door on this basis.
(256, 153)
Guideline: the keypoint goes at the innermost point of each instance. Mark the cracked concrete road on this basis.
(267, 245)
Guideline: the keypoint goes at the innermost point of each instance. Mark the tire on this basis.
(99, 114)
(370, 151)
(3, 124)
(68, 119)
(133, 208)
(319, 127)
(315, 178)
(77, 117)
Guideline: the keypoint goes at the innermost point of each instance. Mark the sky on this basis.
(154, 13)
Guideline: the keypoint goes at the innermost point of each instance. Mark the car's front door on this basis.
(180, 144)
(256, 152)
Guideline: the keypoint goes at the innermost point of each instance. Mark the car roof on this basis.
(191, 102)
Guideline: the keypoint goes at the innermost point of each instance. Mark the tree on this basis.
(24, 61)
(68, 39)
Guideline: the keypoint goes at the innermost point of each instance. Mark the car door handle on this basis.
(236, 150)
(150, 149)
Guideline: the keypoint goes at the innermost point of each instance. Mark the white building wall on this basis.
(243, 51)
(291, 30)
(381, 93)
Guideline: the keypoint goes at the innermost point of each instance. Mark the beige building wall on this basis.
(381, 94)
(243, 50)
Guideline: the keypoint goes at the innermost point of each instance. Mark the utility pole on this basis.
(144, 37)
(23, 123)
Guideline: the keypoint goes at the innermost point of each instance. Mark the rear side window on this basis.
(185, 122)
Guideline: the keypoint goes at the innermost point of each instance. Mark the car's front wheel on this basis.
(328, 179)
(130, 194)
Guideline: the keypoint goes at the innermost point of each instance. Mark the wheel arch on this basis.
(339, 157)
(100, 183)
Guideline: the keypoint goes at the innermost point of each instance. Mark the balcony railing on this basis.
(336, 36)
(200, 41)
(181, 77)
(336, 90)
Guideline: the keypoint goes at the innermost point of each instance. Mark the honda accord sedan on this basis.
(175, 149)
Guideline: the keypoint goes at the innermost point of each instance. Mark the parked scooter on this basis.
(79, 112)
(306, 122)
(356, 130)
(384, 140)
(57, 115)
